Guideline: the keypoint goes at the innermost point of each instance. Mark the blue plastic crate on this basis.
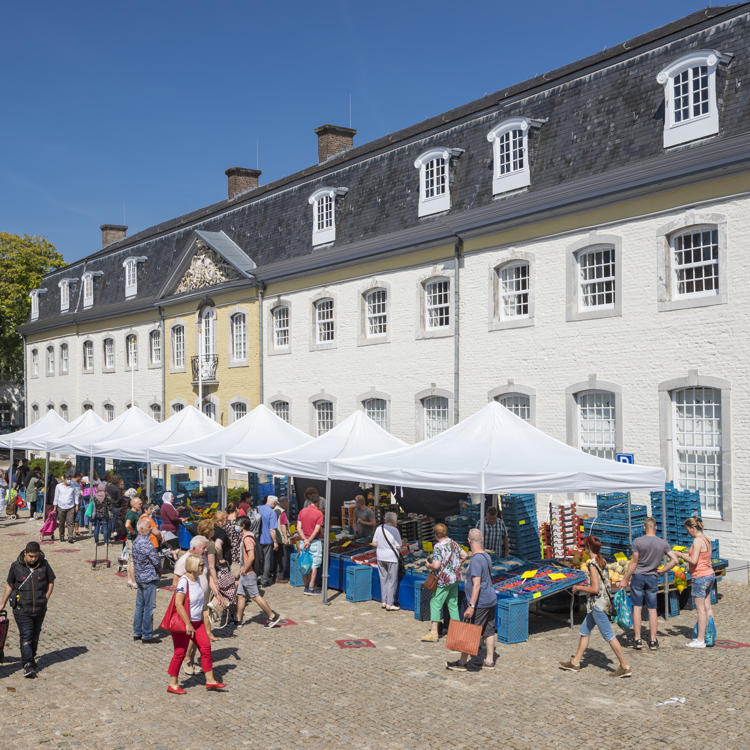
(359, 583)
(335, 574)
(422, 599)
(295, 577)
(512, 620)
(185, 538)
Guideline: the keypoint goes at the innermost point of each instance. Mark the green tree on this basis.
(24, 261)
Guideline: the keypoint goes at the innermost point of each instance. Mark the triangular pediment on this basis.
(210, 259)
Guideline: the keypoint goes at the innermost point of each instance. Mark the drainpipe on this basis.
(261, 288)
(456, 318)
(163, 387)
(25, 387)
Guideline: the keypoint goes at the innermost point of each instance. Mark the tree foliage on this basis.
(23, 263)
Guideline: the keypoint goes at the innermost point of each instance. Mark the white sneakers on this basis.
(695, 643)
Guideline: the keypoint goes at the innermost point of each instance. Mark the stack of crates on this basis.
(611, 522)
(545, 534)
(176, 479)
(281, 486)
(519, 514)
(458, 528)
(681, 505)
(471, 511)
(566, 531)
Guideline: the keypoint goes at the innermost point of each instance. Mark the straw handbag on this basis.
(463, 637)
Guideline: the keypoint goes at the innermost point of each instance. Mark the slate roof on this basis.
(604, 119)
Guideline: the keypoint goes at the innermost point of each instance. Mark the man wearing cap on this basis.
(268, 542)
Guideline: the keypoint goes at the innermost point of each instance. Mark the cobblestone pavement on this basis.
(294, 687)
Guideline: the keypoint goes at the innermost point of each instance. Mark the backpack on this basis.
(257, 557)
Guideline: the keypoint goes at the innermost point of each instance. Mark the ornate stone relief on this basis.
(207, 268)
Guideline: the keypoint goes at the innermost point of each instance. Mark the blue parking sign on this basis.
(625, 458)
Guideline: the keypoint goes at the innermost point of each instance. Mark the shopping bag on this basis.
(172, 620)
(623, 610)
(90, 509)
(463, 637)
(710, 632)
(305, 561)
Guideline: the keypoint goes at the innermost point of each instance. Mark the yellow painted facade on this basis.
(236, 381)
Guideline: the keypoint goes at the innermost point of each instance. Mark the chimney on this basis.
(112, 233)
(241, 180)
(333, 140)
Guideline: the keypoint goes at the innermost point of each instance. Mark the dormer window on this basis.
(434, 179)
(34, 297)
(691, 111)
(88, 288)
(131, 275)
(64, 285)
(510, 143)
(323, 202)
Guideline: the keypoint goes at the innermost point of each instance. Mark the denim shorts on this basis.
(597, 617)
(702, 586)
(644, 587)
(316, 550)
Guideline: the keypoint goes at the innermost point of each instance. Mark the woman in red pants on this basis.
(194, 628)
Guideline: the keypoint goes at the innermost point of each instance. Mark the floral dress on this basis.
(602, 600)
(446, 552)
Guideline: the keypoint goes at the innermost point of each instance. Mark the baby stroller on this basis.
(49, 526)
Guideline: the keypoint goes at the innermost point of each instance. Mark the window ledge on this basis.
(365, 341)
(716, 524)
(87, 372)
(435, 333)
(176, 370)
(609, 312)
(238, 363)
(152, 366)
(272, 352)
(323, 347)
(684, 303)
(107, 370)
(507, 323)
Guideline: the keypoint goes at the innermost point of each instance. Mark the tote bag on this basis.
(172, 621)
(463, 637)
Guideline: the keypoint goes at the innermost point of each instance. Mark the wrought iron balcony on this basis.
(204, 368)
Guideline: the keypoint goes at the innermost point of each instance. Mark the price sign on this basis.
(679, 549)
(521, 523)
(293, 528)
(427, 546)
(537, 595)
(346, 544)
(620, 556)
(528, 574)
(332, 536)
(556, 576)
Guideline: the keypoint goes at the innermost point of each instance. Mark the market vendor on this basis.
(495, 532)
(364, 518)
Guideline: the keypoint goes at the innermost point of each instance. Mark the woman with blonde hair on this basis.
(195, 632)
(702, 577)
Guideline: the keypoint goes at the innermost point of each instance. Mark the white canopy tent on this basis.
(356, 436)
(495, 451)
(260, 432)
(86, 422)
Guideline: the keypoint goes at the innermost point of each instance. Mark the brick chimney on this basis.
(241, 180)
(112, 233)
(333, 140)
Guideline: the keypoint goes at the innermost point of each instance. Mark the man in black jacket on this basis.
(29, 587)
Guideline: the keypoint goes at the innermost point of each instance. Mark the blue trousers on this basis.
(103, 525)
(29, 628)
(145, 603)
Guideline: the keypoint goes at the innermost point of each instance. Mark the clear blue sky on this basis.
(130, 112)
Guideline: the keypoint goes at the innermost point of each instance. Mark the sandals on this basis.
(188, 667)
(431, 638)
(392, 608)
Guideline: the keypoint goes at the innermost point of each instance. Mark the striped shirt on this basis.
(493, 535)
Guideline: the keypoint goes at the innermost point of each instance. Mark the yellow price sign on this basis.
(293, 528)
(427, 546)
(620, 556)
(528, 574)
(679, 549)
(582, 529)
(465, 549)
(521, 523)
(346, 544)
(332, 536)
(537, 595)
(556, 576)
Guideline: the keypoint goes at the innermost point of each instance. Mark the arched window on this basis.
(64, 411)
(239, 337)
(177, 408)
(155, 347)
(34, 413)
(280, 327)
(178, 346)
(131, 348)
(437, 304)
(596, 277)
(695, 262)
(518, 403)
(109, 413)
(323, 202)
(109, 354)
(436, 415)
(88, 290)
(324, 321)
(510, 142)
(156, 412)
(88, 356)
(377, 410)
(208, 335)
(376, 313)
(34, 363)
(596, 423)
(514, 281)
(323, 417)
(50, 360)
(239, 410)
(434, 182)
(131, 275)
(697, 443)
(63, 358)
(209, 409)
(281, 409)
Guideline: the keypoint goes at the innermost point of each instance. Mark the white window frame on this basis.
(594, 241)
(324, 416)
(519, 291)
(131, 274)
(378, 319)
(88, 288)
(695, 126)
(34, 413)
(156, 412)
(324, 231)
(131, 352)
(282, 408)
(440, 201)
(50, 361)
(64, 359)
(323, 335)
(514, 390)
(600, 292)
(377, 409)
(34, 363)
(64, 412)
(420, 402)
(176, 406)
(674, 240)
(691, 220)
(88, 356)
(507, 132)
(177, 333)
(441, 403)
(281, 328)
(428, 306)
(64, 286)
(239, 337)
(34, 297)
(155, 347)
(109, 412)
(109, 361)
(239, 410)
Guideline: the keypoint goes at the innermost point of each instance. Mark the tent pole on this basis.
(481, 519)
(46, 485)
(630, 526)
(148, 481)
(666, 575)
(91, 468)
(326, 543)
